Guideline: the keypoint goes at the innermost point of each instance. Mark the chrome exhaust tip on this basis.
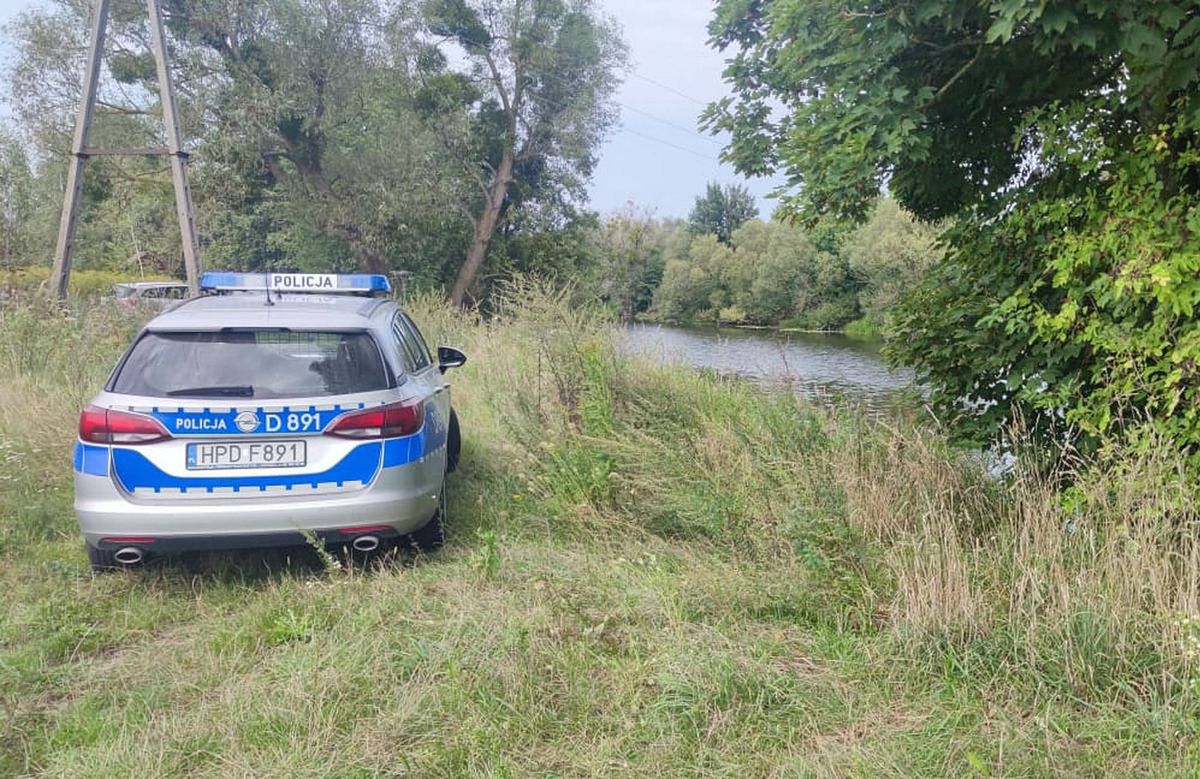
(129, 555)
(365, 543)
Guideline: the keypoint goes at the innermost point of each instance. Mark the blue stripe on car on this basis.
(402, 451)
(135, 472)
(434, 431)
(92, 460)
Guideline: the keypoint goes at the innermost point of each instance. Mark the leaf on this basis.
(1001, 30)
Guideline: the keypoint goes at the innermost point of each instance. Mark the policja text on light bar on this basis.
(327, 283)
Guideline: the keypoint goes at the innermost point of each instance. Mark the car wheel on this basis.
(432, 535)
(453, 443)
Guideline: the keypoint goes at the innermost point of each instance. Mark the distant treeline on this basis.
(762, 273)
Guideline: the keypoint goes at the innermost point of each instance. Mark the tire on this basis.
(432, 536)
(453, 443)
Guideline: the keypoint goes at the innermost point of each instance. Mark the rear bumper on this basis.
(170, 544)
(402, 499)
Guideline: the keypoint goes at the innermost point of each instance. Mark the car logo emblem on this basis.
(247, 421)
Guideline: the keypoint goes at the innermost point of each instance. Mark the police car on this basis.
(272, 407)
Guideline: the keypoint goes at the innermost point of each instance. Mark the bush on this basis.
(83, 283)
(773, 272)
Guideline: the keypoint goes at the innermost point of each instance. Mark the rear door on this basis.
(427, 381)
(247, 412)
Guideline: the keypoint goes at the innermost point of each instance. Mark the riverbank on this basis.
(649, 571)
(859, 329)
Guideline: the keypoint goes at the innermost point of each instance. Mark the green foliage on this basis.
(889, 256)
(29, 280)
(722, 210)
(863, 330)
(936, 95)
(519, 104)
(692, 285)
(323, 135)
(1097, 326)
(16, 201)
(770, 273)
(632, 247)
(1061, 137)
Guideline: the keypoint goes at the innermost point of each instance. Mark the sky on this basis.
(655, 158)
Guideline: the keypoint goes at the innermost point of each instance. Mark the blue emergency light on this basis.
(322, 283)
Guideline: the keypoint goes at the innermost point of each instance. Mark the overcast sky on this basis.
(656, 158)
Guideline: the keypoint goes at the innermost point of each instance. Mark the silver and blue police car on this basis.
(271, 408)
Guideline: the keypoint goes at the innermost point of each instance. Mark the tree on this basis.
(526, 112)
(721, 210)
(1062, 138)
(772, 273)
(889, 256)
(309, 101)
(692, 285)
(16, 200)
(631, 245)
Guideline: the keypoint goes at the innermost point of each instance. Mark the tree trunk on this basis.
(485, 228)
(366, 258)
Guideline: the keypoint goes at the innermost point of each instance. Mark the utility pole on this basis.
(80, 151)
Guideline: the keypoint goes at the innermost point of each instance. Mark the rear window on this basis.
(252, 364)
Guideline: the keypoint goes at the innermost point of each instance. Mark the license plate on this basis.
(238, 454)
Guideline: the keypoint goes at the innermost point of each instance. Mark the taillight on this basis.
(391, 421)
(105, 426)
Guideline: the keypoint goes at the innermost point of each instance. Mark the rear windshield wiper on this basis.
(231, 391)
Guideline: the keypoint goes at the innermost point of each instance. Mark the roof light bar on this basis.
(325, 283)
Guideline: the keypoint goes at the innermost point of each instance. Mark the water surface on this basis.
(827, 367)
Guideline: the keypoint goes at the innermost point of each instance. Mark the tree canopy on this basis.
(332, 134)
(524, 117)
(1060, 137)
(721, 210)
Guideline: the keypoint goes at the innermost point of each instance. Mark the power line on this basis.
(666, 143)
(640, 134)
(666, 122)
(671, 89)
(669, 123)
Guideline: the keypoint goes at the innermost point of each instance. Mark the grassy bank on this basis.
(649, 572)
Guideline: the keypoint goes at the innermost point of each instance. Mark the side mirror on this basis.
(449, 357)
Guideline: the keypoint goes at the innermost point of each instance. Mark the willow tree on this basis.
(306, 150)
(520, 93)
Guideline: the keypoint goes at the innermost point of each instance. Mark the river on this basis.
(826, 367)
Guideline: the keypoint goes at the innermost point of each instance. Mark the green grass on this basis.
(863, 330)
(648, 572)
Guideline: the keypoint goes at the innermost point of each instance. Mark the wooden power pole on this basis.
(80, 151)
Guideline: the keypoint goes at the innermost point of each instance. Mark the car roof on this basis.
(250, 309)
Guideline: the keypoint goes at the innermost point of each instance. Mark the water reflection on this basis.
(827, 367)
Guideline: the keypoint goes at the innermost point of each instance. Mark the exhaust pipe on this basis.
(365, 543)
(129, 555)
